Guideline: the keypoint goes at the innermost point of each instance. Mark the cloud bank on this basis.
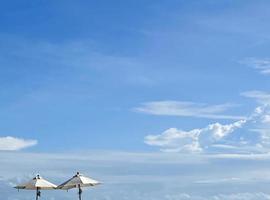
(139, 176)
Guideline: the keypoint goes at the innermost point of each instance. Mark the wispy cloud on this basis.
(262, 65)
(241, 196)
(261, 96)
(81, 56)
(187, 109)
(233, 196)
(12, 144)
(235, 156)
(222, 180)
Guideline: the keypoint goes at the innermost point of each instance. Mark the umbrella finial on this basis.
(36, 177)
(78, 173)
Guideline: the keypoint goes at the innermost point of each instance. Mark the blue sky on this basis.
(82, 71)
(177, 82)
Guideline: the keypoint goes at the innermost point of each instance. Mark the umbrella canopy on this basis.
(37, 183)
(77, 181)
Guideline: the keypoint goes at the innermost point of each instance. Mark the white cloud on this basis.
(262, 65)
(256, 157)
(12, 144)
(173, 140)
(214, 138)
(215, 132)
(266, 119)
(187, 109)
(216, 181)
(222, 138)
(196, 140)
(261, 113)
(260, 96)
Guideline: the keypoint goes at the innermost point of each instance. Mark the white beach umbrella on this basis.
(78, 181)
(37, 183)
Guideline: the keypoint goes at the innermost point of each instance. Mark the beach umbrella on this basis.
(78, 181)
(37, 183)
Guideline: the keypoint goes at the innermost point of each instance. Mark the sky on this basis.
(184, 84)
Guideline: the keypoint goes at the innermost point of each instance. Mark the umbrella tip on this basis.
(78, 173)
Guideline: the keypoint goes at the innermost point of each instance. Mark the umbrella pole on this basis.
(80, 193)
(37, 194)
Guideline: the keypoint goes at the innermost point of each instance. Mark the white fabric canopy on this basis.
(37, 183)
(78, 181)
